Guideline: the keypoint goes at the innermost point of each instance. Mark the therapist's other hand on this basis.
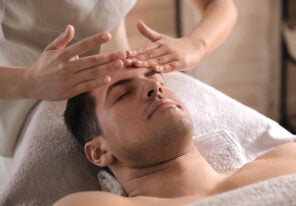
(59, 73)
(164, 53)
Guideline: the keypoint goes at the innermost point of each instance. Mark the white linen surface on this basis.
(227, 133)
(220, 148)
(276, 191)
(212, 110)
(48, 156)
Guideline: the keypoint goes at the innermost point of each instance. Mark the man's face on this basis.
(143, 123)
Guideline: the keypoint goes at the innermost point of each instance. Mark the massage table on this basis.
(47, 163)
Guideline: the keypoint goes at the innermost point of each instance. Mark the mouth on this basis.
(160, 105)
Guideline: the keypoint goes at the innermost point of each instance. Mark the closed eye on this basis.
(122, 96)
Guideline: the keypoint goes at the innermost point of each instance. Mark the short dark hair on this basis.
(81, 119)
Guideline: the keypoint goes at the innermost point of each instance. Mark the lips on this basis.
(159, 105)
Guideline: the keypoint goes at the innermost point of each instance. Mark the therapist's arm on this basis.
(12, 83)
(165, 54)
(59, 73)
(218, 19)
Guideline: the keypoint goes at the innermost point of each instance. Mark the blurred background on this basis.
(257, 63)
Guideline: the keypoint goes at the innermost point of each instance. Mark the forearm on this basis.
(12, 83)
(217, 20)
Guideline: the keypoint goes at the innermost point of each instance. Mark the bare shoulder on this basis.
(287, 150)
(97, 198)
(93, 198)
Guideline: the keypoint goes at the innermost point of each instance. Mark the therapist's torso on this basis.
(28, 26)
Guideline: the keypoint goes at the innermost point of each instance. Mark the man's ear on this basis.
(96, 153)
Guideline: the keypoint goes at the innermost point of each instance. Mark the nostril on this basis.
(160, 89)
(150, 93)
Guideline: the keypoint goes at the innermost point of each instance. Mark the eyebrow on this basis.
(126, 81)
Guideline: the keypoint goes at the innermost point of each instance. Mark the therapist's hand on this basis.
(59, 73)
(164, 53)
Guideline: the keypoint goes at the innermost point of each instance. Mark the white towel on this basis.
(220, 148)
(227, 133)
(212, 110)
(47, 165)
(272, 192)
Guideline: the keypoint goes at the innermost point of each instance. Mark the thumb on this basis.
(148, 32)
(63, 39)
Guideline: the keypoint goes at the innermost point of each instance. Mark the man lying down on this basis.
(124, 125)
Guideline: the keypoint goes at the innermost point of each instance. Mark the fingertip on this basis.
(70, 27)
(127, 53)
(140, 22)
(158, 69)
(121, 55)
(119, 63)
(130, 53)
(106, 36)
(128, 62)
(106, 79)
(103, 81)
(139, 63)
(63, 39)
(69, 32)
(140, 26)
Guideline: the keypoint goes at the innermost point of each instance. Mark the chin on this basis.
(167, 137)
(173, 138)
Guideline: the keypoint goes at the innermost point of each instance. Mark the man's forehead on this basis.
(117, 75)
(126, 73)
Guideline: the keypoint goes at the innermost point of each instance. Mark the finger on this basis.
(74, 58)
(162, 60)
(109, 67)
(152, 54)
(172, 66)
(85, 45)
(148, 32)
(141, 50)
(96, 72)
(95, 60)
(128, 62)
(63, 39)
(89, 85)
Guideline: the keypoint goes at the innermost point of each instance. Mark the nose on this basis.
(153, 90)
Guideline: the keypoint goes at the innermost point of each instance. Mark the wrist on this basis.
(201, 45)
(26, 83)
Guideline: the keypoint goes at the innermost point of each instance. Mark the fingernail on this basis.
(130, 52)
(67, 27)
(129, 61)
(106, 79)
(139, 62)
(158, 68)
(105, 36)
(121, 54)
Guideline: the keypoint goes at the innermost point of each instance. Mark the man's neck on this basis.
(189, 174)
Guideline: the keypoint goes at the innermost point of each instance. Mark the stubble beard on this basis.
(171, 140)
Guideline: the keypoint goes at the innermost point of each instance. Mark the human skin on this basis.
(177, 176)
(59, 73)
(134, 102)
(166, 54)
(52, 77)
